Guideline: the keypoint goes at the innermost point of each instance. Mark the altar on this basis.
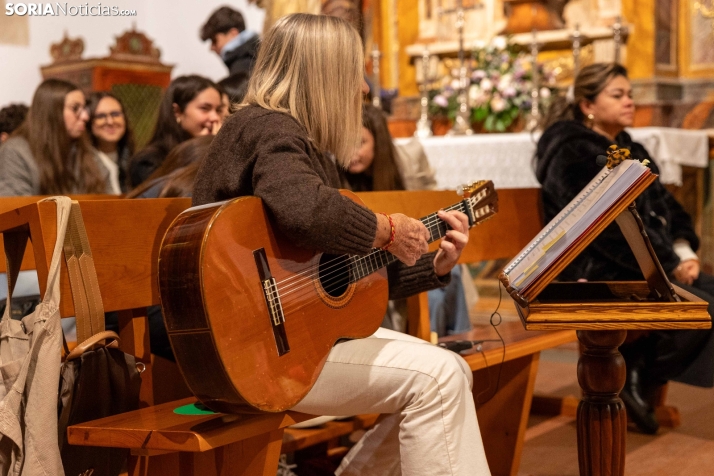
(508, 159)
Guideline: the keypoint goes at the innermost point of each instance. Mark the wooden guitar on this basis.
(252, 317)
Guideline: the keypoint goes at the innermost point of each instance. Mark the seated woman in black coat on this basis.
(579, 127)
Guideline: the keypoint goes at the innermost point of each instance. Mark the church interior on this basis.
(467, 90)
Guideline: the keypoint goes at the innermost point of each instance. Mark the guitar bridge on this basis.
(272, 301)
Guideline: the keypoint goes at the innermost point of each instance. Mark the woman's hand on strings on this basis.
(411, 239)
(453, 243)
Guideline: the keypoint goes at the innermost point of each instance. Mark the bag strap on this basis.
(15, 244)
(92, 341)
(89, 309)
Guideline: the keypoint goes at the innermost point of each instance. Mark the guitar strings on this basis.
(357, 263)
(330, 282)
(430, 221)
(334, 281)
(432, 225)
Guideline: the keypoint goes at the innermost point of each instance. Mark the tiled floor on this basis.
(550, 448)
(687, 450)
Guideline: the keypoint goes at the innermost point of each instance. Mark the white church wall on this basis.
(172, 25)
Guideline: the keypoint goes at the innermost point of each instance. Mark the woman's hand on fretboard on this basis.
(453, 243)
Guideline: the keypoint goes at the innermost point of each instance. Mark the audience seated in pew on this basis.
(379, 166)
(49, 153)
(579, 127)
(191, 107)
(111, 135)
(10, 119)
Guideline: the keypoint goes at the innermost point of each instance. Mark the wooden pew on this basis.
(125, 236)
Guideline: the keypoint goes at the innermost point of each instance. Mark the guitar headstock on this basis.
(482, 199)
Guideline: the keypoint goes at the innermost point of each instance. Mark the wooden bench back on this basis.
(124, 236)
(517, 222)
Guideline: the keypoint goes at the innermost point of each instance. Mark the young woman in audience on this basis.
(304, 99)
(580, 126)
(378, 165)
(191, 107)
(50, 153)
(111, 135)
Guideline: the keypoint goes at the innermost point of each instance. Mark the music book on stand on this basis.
(655, 303)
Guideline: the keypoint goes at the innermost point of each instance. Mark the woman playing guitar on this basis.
(303, 100)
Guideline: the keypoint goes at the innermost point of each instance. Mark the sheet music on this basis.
(571, 223)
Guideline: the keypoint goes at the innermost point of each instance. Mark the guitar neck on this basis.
(365, 265)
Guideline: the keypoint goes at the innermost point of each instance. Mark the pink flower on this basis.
(509, 92)
(441, 101)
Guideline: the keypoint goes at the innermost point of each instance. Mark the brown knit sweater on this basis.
(269, 154)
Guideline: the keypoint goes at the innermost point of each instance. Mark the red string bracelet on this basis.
(391, 234)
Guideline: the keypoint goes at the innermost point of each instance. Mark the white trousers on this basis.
(429, 425)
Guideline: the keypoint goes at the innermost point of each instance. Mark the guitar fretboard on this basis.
(362, 266)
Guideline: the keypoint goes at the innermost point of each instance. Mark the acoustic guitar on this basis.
(252, 317)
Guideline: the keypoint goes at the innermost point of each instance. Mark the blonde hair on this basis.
(311, 67)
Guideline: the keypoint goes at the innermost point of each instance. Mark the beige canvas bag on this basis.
(30, 353)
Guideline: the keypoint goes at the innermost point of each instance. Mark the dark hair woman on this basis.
(110, 133)
(191, 107)
(50, 153)
(580, 126)
(374, 165)
(378, 165)
(174, 177)
(304, 99)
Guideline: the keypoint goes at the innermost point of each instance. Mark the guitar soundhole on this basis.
(334, 274)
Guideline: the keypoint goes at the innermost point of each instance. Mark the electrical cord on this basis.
(494, 324)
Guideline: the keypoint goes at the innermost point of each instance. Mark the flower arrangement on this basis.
(498, 88)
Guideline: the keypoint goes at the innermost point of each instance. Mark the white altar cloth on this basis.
(507, 159)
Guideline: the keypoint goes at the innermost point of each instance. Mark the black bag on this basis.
(98, 383)
(96, 379)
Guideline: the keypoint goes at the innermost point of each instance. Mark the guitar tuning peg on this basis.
(461, 189)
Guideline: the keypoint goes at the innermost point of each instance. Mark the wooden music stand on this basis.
(602, 312)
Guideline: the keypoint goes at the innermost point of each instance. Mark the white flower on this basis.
(544, 93)
(476, 96)
(486, 84)
(456, 84)
(505, 81)
(498, 104)
(499, 42)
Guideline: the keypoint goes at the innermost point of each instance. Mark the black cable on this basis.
(503, 354)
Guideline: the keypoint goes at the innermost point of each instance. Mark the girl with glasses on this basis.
(111, 136)
(50, 154)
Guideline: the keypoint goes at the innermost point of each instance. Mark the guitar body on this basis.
(223, 328)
